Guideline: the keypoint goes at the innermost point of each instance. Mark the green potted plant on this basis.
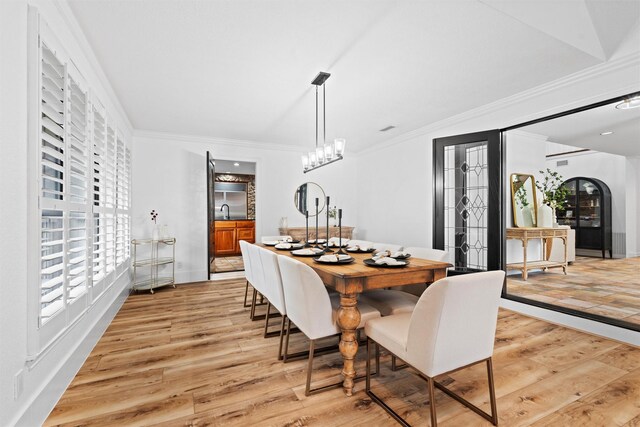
(554, 196)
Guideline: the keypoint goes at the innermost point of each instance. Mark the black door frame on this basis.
(211, 223)
(495, 211)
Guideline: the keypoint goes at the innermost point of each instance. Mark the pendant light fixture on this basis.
(327, 152)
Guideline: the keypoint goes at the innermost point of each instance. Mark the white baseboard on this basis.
(574, 322)
(77, 347)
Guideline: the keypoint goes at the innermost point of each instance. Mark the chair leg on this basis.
(286, 343)
(493, 417)
(394, 364)
(266, 319)
(253, 304)
(246, 294)
(432, 402)
(367, 386)
(492, 392)
(307, 389)
(284, 318)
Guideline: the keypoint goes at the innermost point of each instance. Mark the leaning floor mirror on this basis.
(523, 200)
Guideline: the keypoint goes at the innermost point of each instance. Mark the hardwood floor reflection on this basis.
(609, 287)
(191, 356)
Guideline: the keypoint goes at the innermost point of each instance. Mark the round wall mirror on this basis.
(305, 198)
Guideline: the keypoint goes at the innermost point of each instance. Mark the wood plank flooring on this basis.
(608, 287)
(190, 356)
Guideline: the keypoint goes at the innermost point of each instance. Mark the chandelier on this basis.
(328, 152)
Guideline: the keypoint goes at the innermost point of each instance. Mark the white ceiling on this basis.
(583, 130)
(229, 166)
(242, 69)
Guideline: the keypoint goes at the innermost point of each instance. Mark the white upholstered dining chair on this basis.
(273, 293)
(452, 327)
(257, 277)
(424, 253)
(311, 309)
(247, 269)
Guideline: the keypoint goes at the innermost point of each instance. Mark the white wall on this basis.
(633, 206)
(169, 176)
(44, 379)
(525, 155)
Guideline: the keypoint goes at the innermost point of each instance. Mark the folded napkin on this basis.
(311, 251)
(399, 254)
(284, 246)
(389, 261)
(333, 258)
(356, 248)
(271, 242)
(382, 254)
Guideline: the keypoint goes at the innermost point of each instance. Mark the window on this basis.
(83, 198)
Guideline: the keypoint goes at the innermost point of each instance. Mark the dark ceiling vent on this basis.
(387, 128)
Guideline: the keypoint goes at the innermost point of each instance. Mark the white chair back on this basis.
(272, 279)
(361, 243)
(387, 247)
(427, 253)
(257, 271)
(454, 322)
(246, 259)
(264, 239)
(307, 300)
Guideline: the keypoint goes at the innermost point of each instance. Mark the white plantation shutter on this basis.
(127, 202)
(81, 215)
(99, 268)
(120, 201)
(110, 240)
(110, 167)
(109, 199)
(52, 130)
(52, 263)
(77, 255)
(78, 150)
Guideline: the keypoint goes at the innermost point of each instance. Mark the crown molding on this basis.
(627, 61)
(238, 143)
(76, 31)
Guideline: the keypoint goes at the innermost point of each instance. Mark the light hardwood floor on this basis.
(608, 287)
(191, 356)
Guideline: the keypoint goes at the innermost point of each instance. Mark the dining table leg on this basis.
(348, 320)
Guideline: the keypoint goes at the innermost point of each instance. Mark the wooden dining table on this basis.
(355, 278)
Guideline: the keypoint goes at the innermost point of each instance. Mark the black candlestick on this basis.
(317, 214)
(326, 244)
(306, 242)
(340, 231)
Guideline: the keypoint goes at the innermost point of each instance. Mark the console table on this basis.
(300, 233)
(546, 236)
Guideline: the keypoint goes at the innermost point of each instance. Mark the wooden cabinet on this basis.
(228, 234)
(588, 211)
